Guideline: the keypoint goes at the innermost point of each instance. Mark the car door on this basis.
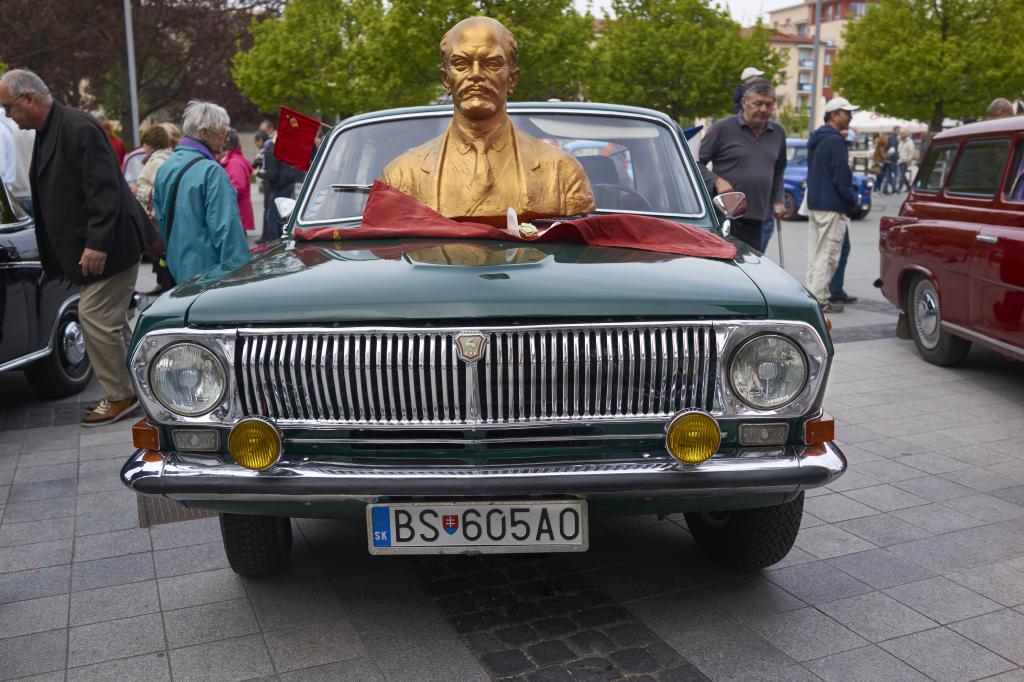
(19, 272)
(998, 268)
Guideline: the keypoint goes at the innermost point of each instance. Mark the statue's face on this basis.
(478, 74)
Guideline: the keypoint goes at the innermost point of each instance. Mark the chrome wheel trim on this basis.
(72, 342)
(927, 315)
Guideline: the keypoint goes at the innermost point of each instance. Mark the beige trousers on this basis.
(825, 232)
(103, 314)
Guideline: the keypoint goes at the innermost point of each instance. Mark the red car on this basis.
(953, 259)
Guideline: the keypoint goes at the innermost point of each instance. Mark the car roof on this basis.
(567, 107)
(796, 142)
(1010, 124)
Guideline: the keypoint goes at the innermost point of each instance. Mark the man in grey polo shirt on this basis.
(748, 154)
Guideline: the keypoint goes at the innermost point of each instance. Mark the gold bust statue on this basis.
(482, 164)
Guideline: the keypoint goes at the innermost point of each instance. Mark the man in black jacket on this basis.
(279, 179)
(88, 225)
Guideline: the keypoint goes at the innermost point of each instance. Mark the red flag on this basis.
(390, 214)
(296, 135)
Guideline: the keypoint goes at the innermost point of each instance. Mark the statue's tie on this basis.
(483, 177)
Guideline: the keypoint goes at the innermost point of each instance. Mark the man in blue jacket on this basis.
(831, 199)
(206, 229)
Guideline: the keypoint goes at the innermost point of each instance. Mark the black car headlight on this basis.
(188, 379)
(768, 372)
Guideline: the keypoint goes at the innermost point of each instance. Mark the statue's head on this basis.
(479, 66)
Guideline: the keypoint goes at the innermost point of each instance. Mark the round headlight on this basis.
(768, 372)
(187, 379)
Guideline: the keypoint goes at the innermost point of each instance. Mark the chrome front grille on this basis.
(525, 374)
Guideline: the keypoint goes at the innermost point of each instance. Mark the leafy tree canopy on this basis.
(933, 59)
(683, 57)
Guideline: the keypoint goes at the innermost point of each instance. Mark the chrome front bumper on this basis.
(744, 472)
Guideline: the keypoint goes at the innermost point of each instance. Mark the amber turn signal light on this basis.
(145, 436)
(820, 429)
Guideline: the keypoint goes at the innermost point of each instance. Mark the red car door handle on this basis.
(987, 238)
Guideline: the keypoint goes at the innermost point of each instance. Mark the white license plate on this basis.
(477, 527)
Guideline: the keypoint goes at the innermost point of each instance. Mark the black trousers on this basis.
(748, 230)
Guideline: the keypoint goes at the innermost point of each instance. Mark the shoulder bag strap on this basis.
(174, 195)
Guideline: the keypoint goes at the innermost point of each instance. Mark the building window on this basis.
(858, 9)
(826, 82)
(828, 58)
(801, 30)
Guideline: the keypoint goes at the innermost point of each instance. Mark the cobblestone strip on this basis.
(536, 618)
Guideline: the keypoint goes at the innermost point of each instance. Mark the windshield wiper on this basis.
(351, 188)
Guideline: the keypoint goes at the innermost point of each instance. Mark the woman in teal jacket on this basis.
(206, 229)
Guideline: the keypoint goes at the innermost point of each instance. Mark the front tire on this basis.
(925, 316)
(748, 539)
(256, 545)
(66, 370)
(861, 214)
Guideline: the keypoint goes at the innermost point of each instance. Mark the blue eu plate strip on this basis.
(381, 526)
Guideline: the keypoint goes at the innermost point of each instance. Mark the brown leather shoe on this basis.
(108, 412)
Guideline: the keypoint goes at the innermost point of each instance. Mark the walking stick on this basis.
(778, 239)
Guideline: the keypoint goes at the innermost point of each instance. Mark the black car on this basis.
(39, 329)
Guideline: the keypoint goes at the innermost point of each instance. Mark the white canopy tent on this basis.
(870, 122)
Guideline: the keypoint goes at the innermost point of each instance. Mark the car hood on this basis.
(426, 281)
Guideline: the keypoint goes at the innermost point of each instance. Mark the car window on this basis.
(633, 164)
(10, 210)
(1015, 180)
(980, 168)
(796, 156)
(935, 168)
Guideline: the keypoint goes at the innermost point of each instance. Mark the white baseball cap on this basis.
(837, 103)
(749, 72)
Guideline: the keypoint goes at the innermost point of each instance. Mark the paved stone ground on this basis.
(910, 567)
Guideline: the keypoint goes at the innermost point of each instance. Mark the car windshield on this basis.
(634, 164)
(796, 156)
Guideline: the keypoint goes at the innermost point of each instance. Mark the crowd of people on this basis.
(183, 198)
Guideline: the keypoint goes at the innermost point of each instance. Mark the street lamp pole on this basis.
(130, 38)
(814, 77)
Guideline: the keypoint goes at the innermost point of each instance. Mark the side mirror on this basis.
(285, 205)
(731, 204)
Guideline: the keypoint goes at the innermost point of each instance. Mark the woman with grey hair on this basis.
(195, 203)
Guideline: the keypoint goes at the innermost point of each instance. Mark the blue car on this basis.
(795, 181)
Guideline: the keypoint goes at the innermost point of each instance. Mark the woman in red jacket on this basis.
(239, 170)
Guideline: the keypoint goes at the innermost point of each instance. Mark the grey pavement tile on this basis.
(880, 568)
(942, 554)
(883, 529)
(39, 510)
(228, 660)
(33, 654)
(38, 555)
(194, 589)
(876, 616)
(55, 676)
(984, 454)
(46, 443)
(867, 664)
(835, 507)
(809, 520)
(452, 661)
(38, 582)
(111, 603)
(130, 568)
(352, 670)
(886, 498)
(115, 639)
(806, 634)
(826, 542)
(980, 479)
(850, 481)
(995, 541)
(894, 448)
(94, 483)
(857, 455)
(297, 596)
(183, 533)
(306, 646)
(661, 613)
(151, 667)
(119, 438)
(41, 490)
(106, 511)
(33, 615)
(36, 531)
(889, 470)
(47, 472)
(1014, 494)
(1001, 632)
(935, 488)
(933, 463)
(209, 622)
(103, 467)
(943, 655)
(48, 457)
(100, 452)
(936, 518)
(986, 508)
(115, 543)
(751, 597)
(817, 582)
(1015, 675)
(190, 559)
(999, 582)
(942, 600)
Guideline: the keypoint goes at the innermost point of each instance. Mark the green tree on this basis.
(682, 57)
(932, 59)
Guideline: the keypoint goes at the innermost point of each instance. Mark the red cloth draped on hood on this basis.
(390, 214)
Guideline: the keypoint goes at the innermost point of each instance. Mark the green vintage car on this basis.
(475, 396)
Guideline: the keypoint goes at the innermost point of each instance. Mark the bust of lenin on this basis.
(482, 164)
